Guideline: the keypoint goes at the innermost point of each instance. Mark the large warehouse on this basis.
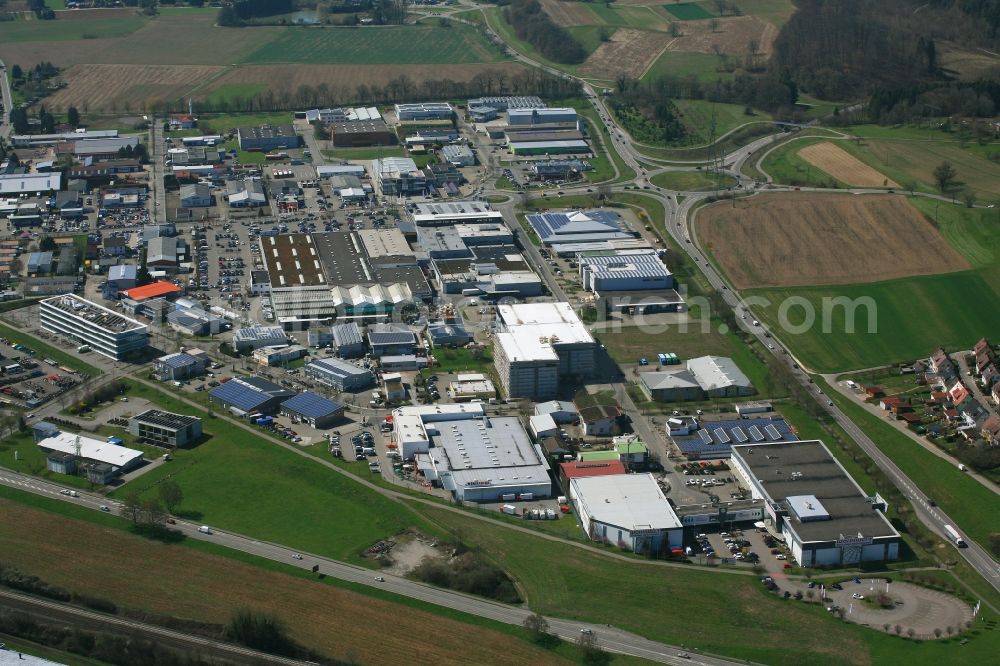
(626, 510)
(477, 458)
(602, 272)
(705, 376)
(824, 515)
(102, 459)
(268, 137)
(338, 374)
(104, 331)
(313, 409)
(537, 343)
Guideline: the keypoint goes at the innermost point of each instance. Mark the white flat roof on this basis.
(92, 449)
(520, 348)
(539, 325)
(629, 501)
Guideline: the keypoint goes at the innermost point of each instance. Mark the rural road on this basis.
(8, 103)
(609, 638)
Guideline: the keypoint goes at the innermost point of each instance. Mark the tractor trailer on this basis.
(955, 536)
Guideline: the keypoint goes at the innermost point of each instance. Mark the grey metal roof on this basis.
(389, 334)
(345, 335)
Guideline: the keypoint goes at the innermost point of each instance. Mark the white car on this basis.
(296, 556)
(780, 557)
(857, 595)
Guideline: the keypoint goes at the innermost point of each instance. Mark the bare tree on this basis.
(713, 23)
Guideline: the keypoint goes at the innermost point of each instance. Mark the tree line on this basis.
(238, 12)
(533, 25)
(398, 90)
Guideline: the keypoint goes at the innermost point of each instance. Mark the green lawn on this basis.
(44, 350)
(973, 232)
(377, 46)
(30, 460)
(972, 506)
(912, 317)
(458, 360)
(364, 153)
(693, 181)
(230, 91)
(702, 66)
(673, 605)
(702, 154)
(245, 156)
(688, 11)
(294, 501)
(222, 122)
(697, 116)
(785, 166)
(68, 31)
(589, 36)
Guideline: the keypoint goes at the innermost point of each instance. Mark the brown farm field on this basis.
(192, 584)
(569, 14)
(733, 36)
(843, 166)
(110, 87)
(780, 240)
(628, 52)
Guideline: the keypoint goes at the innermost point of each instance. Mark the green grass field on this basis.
(627, 16)
(973, 232)
(688, 11)
(785, 166)
(377, 46)
(294, 500)
(222, 122)
(458, 360)
(693, 181)
(68, 31)
(913, 316)
(589, 36)
(230, 91)
(702, 66)
(697, 116)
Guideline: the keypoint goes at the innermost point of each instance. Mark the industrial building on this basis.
(824, 516)
(493, 270)
(180, 366)
(254, 337)
(313, 409)
(165, 429)
(424, 111)
(196, 322)
(583, 469)
(561, 412)
(102, 460)
(579, 227)
(391, 340)
(341, 114)
(505, 102)
(197, 195)
(477, 458)
(559, 169)
(471, 386)
(549, 147)
(715, 439)
(454, 212)
(704, 377)
(384, 242)
(344, 340)
(398, 176)
(447, 334)
(16, 184)
(358, 133)
(268, 137)
(626, 510)
(40, 263)
(278, 355)
(541, 116)
(602, 272)
(245, 193)
(460, 156)
(536, 344)
(245, 395)
(104, 331)
(339, 375)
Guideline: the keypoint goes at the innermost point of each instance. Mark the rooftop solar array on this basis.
(311, 405)
(772, 432)
(715, 439)
(721, 436)
(739, 435)
(246, 396)
(757, 435)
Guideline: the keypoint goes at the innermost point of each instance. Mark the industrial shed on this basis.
(314, 409)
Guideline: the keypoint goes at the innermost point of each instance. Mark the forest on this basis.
(533, 25)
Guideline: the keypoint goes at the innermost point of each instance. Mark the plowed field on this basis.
(127, 87)
(629, 52)
(843, 166)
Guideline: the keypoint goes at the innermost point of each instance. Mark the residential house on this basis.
(942, 365)
(874, 391)
(991, 430)
(887, 404)
(996, 394)
(982, 346)
(600, 420)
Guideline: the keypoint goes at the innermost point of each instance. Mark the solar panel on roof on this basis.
(772, 432)
(706, 437)
(757, 435)
(311, 405)
(739, 435)
(239, 395)
(721, 436)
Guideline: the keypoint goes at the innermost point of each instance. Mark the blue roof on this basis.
(178, 360)
(312, 405)
(547, 225)
(387, 334)
(248, 393)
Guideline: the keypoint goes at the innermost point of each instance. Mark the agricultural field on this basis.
(568, 14)
(688, 11)
(698, 114)
(128, 87)
(909, 318)
(702, 66)
(630, 52)
(229, 92)
(820, 239)
(207, 587)
(732, 36)
(834, 160)
(973, 232)
(62, 30)
(784, 165)
(378, 46)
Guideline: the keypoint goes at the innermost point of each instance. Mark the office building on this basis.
(105, 331)
(424, 111)
(165, 429)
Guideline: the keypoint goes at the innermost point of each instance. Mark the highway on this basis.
(609, 638)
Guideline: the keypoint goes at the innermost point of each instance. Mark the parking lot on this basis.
(31, 380)
(748, 546)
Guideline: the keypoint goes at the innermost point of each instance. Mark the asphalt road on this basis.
(609, 638)
(8, 102)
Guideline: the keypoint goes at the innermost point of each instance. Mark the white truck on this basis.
(955, 537)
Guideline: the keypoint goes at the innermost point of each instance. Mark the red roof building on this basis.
(152, 290)
(578, 470)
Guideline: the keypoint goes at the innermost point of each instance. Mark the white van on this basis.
(205, 529)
